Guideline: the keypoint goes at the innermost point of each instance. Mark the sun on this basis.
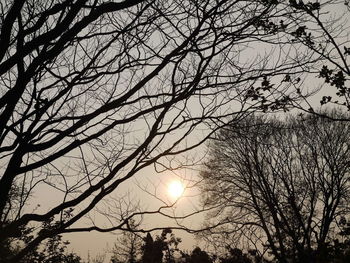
(176, 189)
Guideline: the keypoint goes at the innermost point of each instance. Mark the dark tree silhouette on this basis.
(163, 246)
(284, 185)
(199, 255)
(127, 249)
(53, 250)
(237, 256)
(92, 92)
(332, 44)
(152, 250)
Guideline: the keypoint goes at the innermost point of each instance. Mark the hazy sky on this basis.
(147, 190)
(156, 183)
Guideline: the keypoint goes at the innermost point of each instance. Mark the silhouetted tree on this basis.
(281, 184)
(236, 256)
(128, 247)
(92, 92)
(163, 246)
(53, 250)
(333, 46)
(199, 255)
(152, 251)
(331, 43)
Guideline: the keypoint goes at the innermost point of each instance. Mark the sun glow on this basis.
(176, 189)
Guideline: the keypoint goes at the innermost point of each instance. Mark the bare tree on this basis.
(92, 92)
(283, 185)
(128, 247)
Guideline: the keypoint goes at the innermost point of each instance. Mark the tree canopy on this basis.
(94, 91)
(281, 185)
